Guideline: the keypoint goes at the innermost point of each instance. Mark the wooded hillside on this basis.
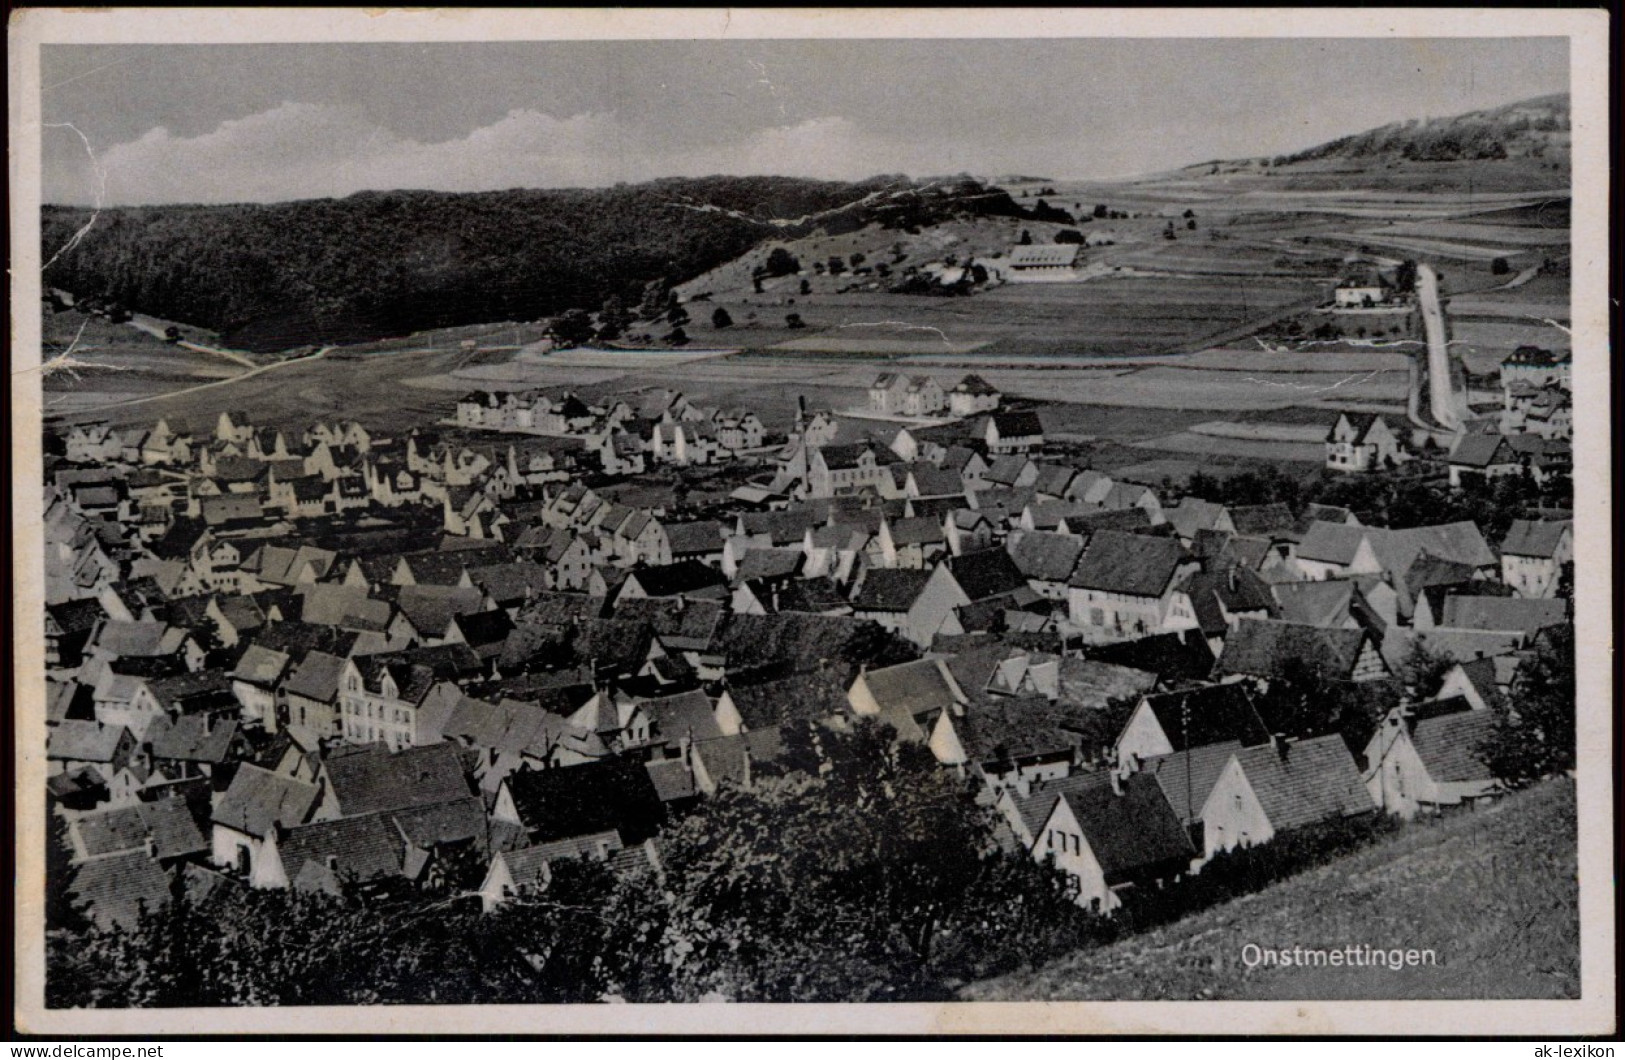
(375, 264)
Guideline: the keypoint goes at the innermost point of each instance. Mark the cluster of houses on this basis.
(1532, 432)
(900, 394)
(336, 659)
(656, 426)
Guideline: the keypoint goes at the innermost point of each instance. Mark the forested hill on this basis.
(376, 264)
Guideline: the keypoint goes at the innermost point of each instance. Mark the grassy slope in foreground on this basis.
(1493, 892)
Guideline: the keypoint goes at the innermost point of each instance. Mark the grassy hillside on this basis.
(1516, 147)
(1493, 892)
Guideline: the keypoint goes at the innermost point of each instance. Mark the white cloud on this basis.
(305, 150)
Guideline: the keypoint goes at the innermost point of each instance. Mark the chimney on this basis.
(1232, 572)
(685, 750)
(1117, 782)
(332, 862)
(151, 845)
(1281, 744)
(1024, 786)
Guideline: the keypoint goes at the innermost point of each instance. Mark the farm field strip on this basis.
(1496, 307)
(1206, 444)
(1264, 432)
(1486, 233)
(844, 344)
(1506, 335)
(1438, 248)
(625, 359)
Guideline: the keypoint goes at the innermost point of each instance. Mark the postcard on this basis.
(825, 521)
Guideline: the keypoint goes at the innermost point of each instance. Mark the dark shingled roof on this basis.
(886, 589)
(1017, 424)
(191, 738)
(1132, 832)
(316, 677)
(258, 797)
(674, 579)
(361, 848)
(1263, 519)
(84, 741)
(614, 794)
(114, 889)
(1448, 744)
(691, 714)
(769, 563)
(805, 697)
(171, 823)
(782, 527)
(484, 630)
(1230, 591)
(1264, 648)
(1187, 777)
(1482, 450)
(987, 573)
(1301, 782)
(687, 625)
(1213, 714)
(77, 616)
(691, 538)
(800, 643)
(373, 780)
(1132, 564)
(561, 609)
(1006, 729)
(1527, 537)
(1047, 557)
(1182, 656)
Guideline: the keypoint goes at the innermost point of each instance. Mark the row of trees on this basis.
(1397, 501)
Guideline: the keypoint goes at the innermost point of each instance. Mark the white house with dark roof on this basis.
(1533, 554)
(1013, 432)
(971, 395)
(1425, 757)
(1361, 441)
(1274, 787)
(1111, 836)
(1127, 585)
(257, 802)
(1488, 455)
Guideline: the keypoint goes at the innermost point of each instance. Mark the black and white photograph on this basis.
(655, 517)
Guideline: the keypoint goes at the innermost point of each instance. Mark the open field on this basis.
(622, 360)
(1512, 235)
(369, 389)
(847, 343)
(1112, 314)
(1266, 432)
(1205, 446)
(1493, 892)
(1437, 248)
(1493, 306)
(1508, 335)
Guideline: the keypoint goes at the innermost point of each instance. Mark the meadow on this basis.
(1493, 892)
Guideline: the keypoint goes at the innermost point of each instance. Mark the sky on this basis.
(151, 124)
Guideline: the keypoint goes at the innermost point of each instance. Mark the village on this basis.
(343, 662)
